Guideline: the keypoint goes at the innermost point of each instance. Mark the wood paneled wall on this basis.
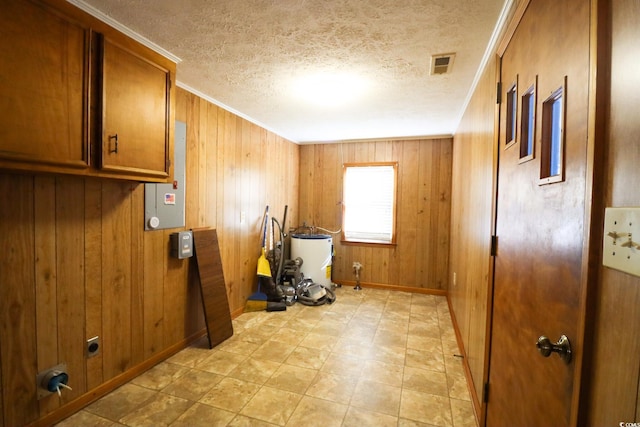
(614, 376)
(473, 187)
(235, 167)
(421, 257)
(77, 263)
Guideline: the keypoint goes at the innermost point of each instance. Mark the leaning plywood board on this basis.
(213, 290)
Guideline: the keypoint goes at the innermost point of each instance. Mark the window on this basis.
(369, 198)
(552, 143)
(528, 124)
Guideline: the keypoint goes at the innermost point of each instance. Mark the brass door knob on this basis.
(562, 347)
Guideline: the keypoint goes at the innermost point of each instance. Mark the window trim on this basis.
(343, 239)
(511, 114)
(528, 125)
(560, 94)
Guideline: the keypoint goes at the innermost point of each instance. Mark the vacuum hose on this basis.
(310, 293)
(282, 248)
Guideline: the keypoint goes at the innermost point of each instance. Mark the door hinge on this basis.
(498, 92)
(494, 245)
(485, 393)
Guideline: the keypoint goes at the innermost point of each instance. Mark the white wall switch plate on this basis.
(621, 246)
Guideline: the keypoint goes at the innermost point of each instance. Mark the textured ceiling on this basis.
(250, 56)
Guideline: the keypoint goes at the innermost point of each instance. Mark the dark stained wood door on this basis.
(540, 225)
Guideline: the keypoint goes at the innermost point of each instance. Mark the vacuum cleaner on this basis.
(295, 287)
(291, 285)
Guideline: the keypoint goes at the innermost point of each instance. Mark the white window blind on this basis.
(369, 203)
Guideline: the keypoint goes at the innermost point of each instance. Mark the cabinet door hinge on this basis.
(498, 92)
(494, 245)
(485, 393)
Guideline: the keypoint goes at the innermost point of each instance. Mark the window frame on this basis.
(528, 122)
(511, 114)
(546, 140)
(373, 243)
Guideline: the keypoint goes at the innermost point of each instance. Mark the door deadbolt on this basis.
(562, 347)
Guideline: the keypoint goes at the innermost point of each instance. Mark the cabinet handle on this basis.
(116, 138)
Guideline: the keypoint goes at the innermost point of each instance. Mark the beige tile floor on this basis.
(373, 358)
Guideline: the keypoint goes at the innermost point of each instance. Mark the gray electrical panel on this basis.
(164, 203)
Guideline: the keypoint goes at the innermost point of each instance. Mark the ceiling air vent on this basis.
(442, 63)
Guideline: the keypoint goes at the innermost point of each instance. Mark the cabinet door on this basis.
(135, 114)
(43, 81)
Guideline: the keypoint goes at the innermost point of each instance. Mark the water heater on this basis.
(315, 251)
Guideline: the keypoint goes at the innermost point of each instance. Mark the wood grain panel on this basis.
(192, 181)
(253, 216)
(196, 192)
(154, 254)
(93, 276)
(246, 193)
(18, 301)
(420, 259)
(175, 294)
(212, 286)
(69, 211)
(233, 220)
(441, 257)
(473, 192)
(137, 273)
(407, 216)
(615, 370)
(211, 143)
(425, 193)
(116, 278)
(203, 159)
(46, 279)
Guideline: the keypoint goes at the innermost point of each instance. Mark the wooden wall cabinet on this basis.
(44, 78)
(70, 83)
(135, 113)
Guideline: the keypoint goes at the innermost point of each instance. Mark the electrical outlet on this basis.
(93, 346)
(243, 217)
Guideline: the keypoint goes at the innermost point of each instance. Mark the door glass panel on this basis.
(552, 141)
(528, 124)
(512, 111)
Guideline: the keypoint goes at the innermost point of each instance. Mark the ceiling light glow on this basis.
(330, 89)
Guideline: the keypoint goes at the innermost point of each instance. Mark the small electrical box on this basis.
(181, 244)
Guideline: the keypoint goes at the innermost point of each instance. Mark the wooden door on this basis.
(135, 113)
(540, 225)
